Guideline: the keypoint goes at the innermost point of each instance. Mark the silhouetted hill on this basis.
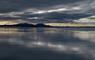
(25, 25)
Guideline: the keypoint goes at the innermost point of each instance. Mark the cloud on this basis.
(16, 5)
(57, 10)
(33, 11)
(43, 8)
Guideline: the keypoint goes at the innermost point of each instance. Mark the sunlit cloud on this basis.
(76, 8)
(33, 18)
(57, 10)
(12, 14)
(90, 19)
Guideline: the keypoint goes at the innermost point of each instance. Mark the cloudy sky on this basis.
(46, 9)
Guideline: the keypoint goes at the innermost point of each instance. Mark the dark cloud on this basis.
(46, 9)
(15, 5)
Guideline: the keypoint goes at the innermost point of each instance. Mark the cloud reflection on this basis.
(49, 39)
(85, 35)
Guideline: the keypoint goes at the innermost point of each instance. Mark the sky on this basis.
(46, 9)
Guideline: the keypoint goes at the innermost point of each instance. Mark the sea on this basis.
(40, 43)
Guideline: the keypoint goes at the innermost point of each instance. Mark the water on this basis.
(47, 44)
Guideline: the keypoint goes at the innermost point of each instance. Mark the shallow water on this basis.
(47, 44)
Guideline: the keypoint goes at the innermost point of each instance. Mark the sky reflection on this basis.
(85, 35)
(51, 39)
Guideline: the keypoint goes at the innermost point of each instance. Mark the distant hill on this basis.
(26, 25)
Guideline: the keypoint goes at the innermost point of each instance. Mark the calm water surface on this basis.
(47, 44)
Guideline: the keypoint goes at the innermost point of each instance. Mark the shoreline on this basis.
(52, 25)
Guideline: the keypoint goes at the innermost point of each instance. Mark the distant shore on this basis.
(53, 25)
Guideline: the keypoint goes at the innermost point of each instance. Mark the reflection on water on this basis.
(47, 44)
(85, 35)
